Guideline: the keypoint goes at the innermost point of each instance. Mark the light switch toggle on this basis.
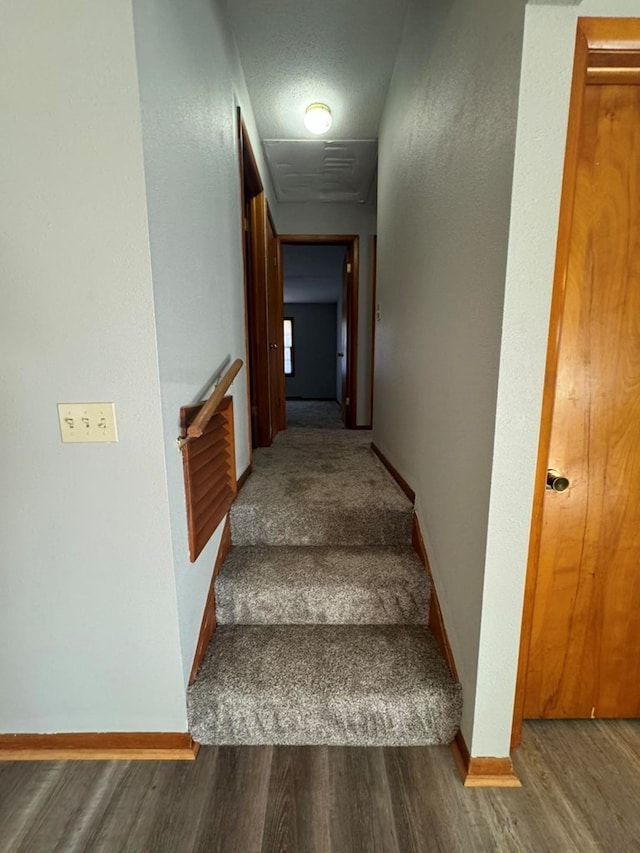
(87, 422)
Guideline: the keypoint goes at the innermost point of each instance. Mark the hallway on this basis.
(314, 414)
(125, 284)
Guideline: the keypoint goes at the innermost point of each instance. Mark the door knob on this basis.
(340, 355)
(273, 346)
(556, 481)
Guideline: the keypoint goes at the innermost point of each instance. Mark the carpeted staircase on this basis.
(322, 608)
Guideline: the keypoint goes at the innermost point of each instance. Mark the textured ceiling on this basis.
(312, 273)
(295, 52)
(329, 171)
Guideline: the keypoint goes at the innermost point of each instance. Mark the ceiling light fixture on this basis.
(317, 118)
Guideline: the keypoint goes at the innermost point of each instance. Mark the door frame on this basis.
(374, 318)
(351, 241)
(607, 51)
(275, 306)
(254, 250)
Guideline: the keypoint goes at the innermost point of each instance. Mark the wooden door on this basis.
(256, 292)
(584, 653)
(258, 322)
(348, 343)
(275, 309)
(343, 343)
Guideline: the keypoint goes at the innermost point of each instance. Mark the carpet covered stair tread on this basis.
(322, 607)
(323, 584)
(366, 685)
(317, 487)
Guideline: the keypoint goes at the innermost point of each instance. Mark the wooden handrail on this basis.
(208, 410)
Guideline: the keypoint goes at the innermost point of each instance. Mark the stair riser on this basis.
(327, 723)
(324, 684)
(353, 607)
(250, 526)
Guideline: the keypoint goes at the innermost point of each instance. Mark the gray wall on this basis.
(88, 619)
(549, 44)
(445, 177)
(190, 85)
(315, 350)
(465, 307)
(122, 281)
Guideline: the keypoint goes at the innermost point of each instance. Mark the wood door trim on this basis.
(608, 37)
(374, 298)
(275, 328)
(246, 164)
(352, 327)
(254, 226)
(614, 50)
(259, 321)
(613, 76)
(99, 746)
(251, 180)
(598, 40)
(352, 241)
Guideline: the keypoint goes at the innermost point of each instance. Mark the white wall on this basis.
(190, 85)
(543, 109)
(445, 174)
(337, 218)
(88, 626)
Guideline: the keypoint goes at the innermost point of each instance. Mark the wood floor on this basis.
(581, 793)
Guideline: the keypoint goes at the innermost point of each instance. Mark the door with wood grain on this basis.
(348, 340)
(343, 342)
(584, 653)
(275, 308)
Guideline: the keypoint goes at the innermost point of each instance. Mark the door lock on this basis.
(556, 481)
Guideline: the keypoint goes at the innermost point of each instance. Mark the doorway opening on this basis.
(320, 290)
(263, 302)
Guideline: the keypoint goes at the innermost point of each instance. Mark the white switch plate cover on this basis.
(87, 422)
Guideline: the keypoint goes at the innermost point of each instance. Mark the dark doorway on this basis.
(325, 318)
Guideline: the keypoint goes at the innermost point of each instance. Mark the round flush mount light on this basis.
(317, 118)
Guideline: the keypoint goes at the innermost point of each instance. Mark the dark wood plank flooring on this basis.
(581, 793)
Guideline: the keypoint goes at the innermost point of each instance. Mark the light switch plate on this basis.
(87, 422)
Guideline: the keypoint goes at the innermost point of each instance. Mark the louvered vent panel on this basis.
(209, 464)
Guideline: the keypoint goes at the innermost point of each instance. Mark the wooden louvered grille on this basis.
(209, 464)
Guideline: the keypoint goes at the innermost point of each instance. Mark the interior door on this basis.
(275, 309)
(258, 321)
(256, 291)
(584, 656)
(343, 343)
